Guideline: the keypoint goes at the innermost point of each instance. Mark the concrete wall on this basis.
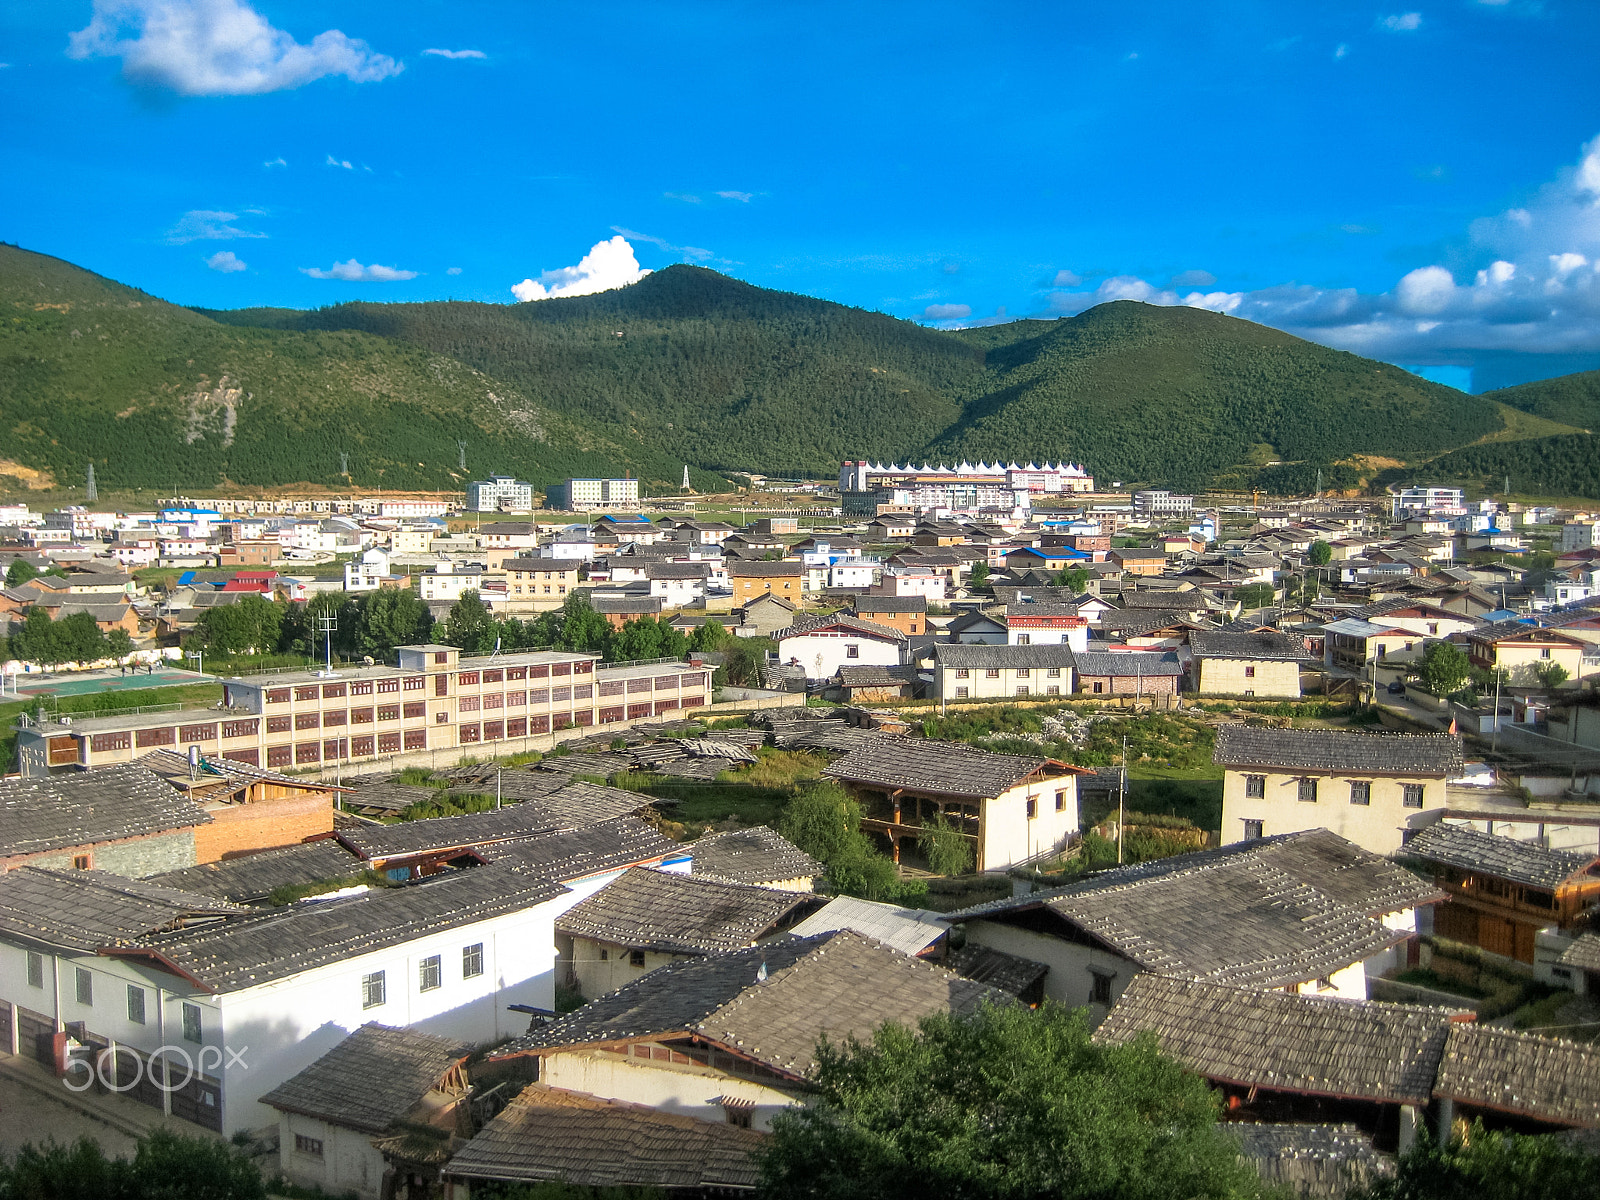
(1010, 836)
(1377, 826)
(349, 1162)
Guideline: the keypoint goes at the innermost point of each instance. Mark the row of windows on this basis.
(430, 975)
(1033, 804)
(1020, 672)
(83, 992)
(1054, 689)
(1255, 788)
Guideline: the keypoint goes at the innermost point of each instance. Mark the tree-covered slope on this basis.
(159, 396)
(1566, 465)
(1570, 399)
(1179, 395)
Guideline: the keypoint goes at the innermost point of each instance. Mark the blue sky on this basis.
(1419, 182)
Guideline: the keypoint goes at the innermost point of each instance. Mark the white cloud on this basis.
(1526, 281)
(1193, 279)
(741, 197)
(1067, 279)
(339, 162)
(687, 253)
(609, 264)
(1402, 22)
(280, 161)
(1342, 49)
(453, 271)
(225, 261)
(203, 224)
(218, 48)
(354, 272)
(456, 53)
(947, 312)
(686, 197)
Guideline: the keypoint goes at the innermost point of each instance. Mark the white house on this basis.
(824, 644)
(367, 573)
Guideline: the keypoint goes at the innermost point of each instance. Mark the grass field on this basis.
(750, 795)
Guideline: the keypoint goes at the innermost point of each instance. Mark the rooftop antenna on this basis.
(325, 625)
(92, 493)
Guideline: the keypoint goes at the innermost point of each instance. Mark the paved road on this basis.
(28, 1116)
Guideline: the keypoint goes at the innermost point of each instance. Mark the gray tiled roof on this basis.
(267, 946)
(1584, 953)
(1252, 915)
(1545, 1078)
(754, 855)
(85, 910)
(255, 876)
(808, 624)
(952, 768)
(573, 854)
(1132, 624)
(85, 807)
(1127, 664)
(1339, 750)
(890, 604)
(877, 676)
(984, 964)
(765, 570)
(371, 1079)
(1266, 645)
(675, 913)
(957, 654)
(1269, 1039)
(1490, 854)
(831, 985)
(581, 1141)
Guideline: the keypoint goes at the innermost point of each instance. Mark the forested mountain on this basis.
(1570, 399)
(685, 366)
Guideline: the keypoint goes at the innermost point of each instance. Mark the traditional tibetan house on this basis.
(645, 919)
(1013, 808)
(374, 1116)
(1520, 1081)
(1263, 662)
(1502, 892)
(759, 856)
(1281, 1057)
(1302, 913)
(1372, 788)
(251, 809)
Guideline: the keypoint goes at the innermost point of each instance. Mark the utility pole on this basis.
(326, 623)
(1122, 798)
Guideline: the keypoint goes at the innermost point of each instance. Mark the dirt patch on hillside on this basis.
(34, 481)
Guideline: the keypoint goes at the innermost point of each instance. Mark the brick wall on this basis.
(264, 825)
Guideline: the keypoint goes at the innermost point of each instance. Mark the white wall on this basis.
(1010, 836)
(823, 656)
(669, 1087)
(349, 1161)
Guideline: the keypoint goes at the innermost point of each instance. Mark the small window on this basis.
(1024, 639)
(1308, 790)
(961, 693)
(308, 1145)
(1023, 672)
(1061, 802)
(1325, 984)
(1022, 690)
(852, 651)
(472, 961)
(430, 974)
(1411, 795)
(1033, 808)
(739, 1118)
(1544, 653)
(1100, 988)
(1099, 687)
(1249, 672)
(85, 987)
(373, 990)
(963, 673)
(35, 970)
(1053, 690)
(1255, 786)
(80, 862)
(191, 1023)
(605, 955)
(1252, 829)
(136, 1004)
(992, 673)
(636, 958)
(1053, 673)
(1360, 791)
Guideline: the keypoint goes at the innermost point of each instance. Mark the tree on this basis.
(709, 638)
(979, 576)
(470, 625)
(825, 821)
(118, 644)
(1075, 578)
(1443, 668)
(1489, 1164)
(583, 631)
(947, 849)
(646, 637)
(743, 660)
(1005, 1102)
(391, 617)
(165, 1166)
(78, 639)
(251, 625)
(1551, 675)
(36, 639)
(1255, 595)
(19, 572)
(1320, 554)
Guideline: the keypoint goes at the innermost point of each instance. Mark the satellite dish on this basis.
(367, 660)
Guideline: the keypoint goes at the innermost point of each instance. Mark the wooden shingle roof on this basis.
(1307, 1044)
(581, 1141)
(1547, 1079)
(1502, 857)
(1584, 953)
(255, 876)
(1339, 750)
(86, 807)
(756, 855)
(84, 911)
(947, 768)
(371, 1079)
(981, 657)
(1262, 645)
(674, 913)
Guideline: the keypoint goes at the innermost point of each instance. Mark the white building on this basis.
(367, 573)
(1158, 504)
(822, 645)
(1432, 501)
(1580, 535)
(499, 493)
(585, 495)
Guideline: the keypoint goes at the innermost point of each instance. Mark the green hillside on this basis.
(685, 366)
(1570, 399)
(159, 396)
(1566, 465)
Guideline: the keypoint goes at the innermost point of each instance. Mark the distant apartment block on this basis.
(1432, 501)
(500, 493)
(586, 495)
(1158, 504)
